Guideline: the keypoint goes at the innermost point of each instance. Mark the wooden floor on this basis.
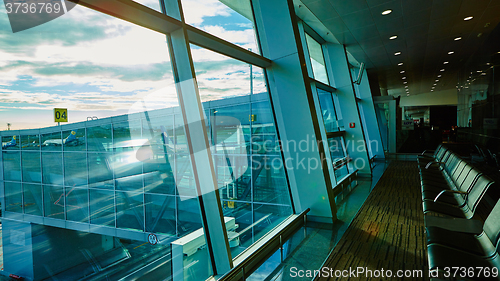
(388, 231)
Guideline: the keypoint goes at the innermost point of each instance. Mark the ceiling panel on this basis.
(346, 7)
(425, 28)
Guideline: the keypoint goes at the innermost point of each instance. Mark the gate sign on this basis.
(60, 115)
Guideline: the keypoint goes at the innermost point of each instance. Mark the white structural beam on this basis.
(367, 111)
(337, 62)
(293, 105)
(199, 145)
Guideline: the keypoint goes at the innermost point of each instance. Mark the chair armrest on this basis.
(451, 191)
(425, 151)
(432, 162)
(455, 224)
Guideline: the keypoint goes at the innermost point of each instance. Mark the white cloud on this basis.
(195, 10)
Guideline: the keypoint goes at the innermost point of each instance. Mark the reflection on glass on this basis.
(30, 142)
(53, 198)
(13, 197)
(11, 165)
(52, 168)
(77, 204)
(10, 142)
(32, 199)
(74, 140)
(247, 160)
(100, 170)
(102, 207)
(32, 171)
(160, 214)
(52, 142)
(75, 169)
(99, 138)
(129, 210)
(338, 158)
(328, 111)
(317, 59)
(229, 20)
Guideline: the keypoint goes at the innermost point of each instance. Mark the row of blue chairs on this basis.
(459, 247)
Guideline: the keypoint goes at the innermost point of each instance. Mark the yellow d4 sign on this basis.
(60, 115)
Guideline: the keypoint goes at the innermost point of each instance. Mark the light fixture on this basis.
(483, 73)
(403, 78)
(397, 53)
(468, 18)
(434, 84)
(451, 53)
(446, 62)
(405, 82)
(400, 64)
(406, 86)
(458, 38)
(386, 12)
(432, 90)
(407, 94)
(393, 37)
(437, 80)
(402, 71)
(439, 75)
(442, 69)
(479, 71)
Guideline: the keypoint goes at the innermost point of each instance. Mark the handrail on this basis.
(269, 245)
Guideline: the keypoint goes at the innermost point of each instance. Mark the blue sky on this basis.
(96, 65)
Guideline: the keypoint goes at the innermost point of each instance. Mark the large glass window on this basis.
(248, 164)
(317, 59)
(229, 20)
(328, 111)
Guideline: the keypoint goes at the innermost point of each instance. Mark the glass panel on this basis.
(52, 168)
(77, 204)
(53, 198)
(328, 111)
(127, 134)
(102, 207)
(32, 199)
(12, 165)
(13, 197)
(52, 142)
(129, 210)
(32, 171)
(75, 169)
(188, 213)
(74, 140)
(153, 4)
(99, 138)
(160, 214)
(229, 20)
(159, 175)
(10, 143)
(100, 171)
(30, 142)
(317, 59)
(336, 145)
(247, 160)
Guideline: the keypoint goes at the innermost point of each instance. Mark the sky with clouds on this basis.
(96, 65)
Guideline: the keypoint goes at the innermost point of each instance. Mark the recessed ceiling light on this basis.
(451, 53)
(434, 84)
(402, 71)
(488, 63)
(468, 18)
(479, 71)
(386, 12)
(400, 64)
(405, 82)
(406, 86)
(439, 75)
(393, 37)
(403, 78)
(458, 38)
(407, 94)
(442, 69)
(446, 62)
(397, 53)
(483, 73)
(432, 90)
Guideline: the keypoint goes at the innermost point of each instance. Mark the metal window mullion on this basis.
(198, 143)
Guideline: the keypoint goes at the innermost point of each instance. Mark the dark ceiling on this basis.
(425, 30)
